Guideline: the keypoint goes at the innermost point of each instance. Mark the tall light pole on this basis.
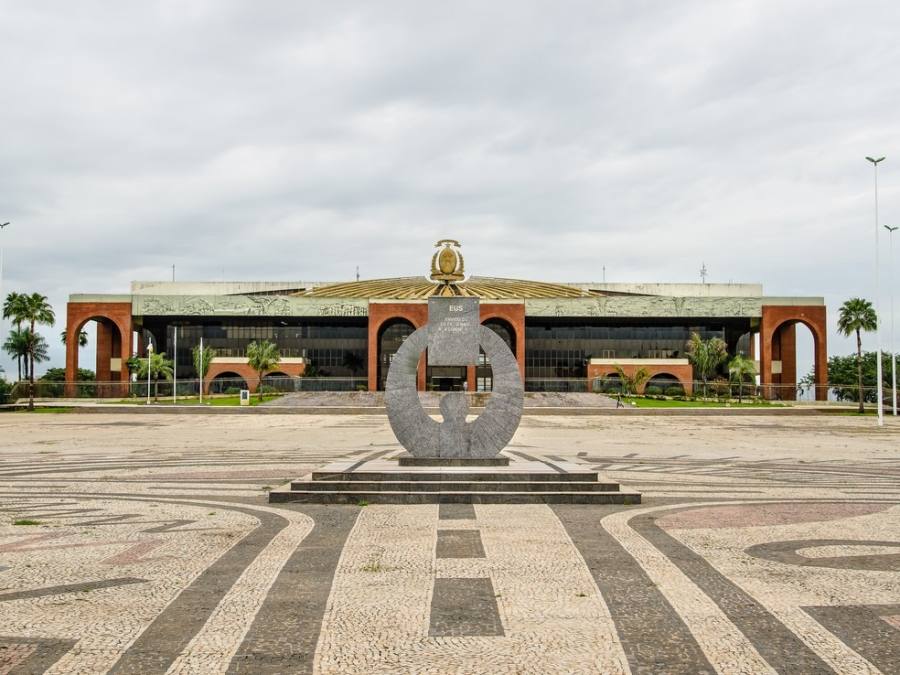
(149, 362)
(878, 384)
(893, 349)
(3, 226)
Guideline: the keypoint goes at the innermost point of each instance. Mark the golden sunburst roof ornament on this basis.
(447, 263)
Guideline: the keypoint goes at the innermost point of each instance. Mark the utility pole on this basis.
(879, 385)
(3, 226)
(357, 272)
(893, 348)
(173, 273)
(703, 273)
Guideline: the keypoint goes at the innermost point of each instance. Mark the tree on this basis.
(32, 310)
(706, 356)
(56, 377)
(13, 308)
(843, 377)
(159, 366)
(857, 315)
(202, 359)
(740, 368)
(82, 337)
(262, 357)
(631, 383)
(16, 345)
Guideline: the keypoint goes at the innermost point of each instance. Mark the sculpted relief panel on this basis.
(649, 306)
(244, 305)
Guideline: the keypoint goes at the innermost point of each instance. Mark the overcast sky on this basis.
(296, 140)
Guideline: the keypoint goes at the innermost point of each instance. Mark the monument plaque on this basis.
(453, 331)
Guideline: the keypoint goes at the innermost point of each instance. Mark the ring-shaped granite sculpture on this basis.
(482, 438)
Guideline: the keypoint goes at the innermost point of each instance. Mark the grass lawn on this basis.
(195, 400)
(668, 403)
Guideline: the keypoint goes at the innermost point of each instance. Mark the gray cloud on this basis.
(295, 140)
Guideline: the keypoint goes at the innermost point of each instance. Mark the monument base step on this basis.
(409, 460)
(362, 498)
(518, 480)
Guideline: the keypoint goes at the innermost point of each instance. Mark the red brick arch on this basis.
(778, 342)
(109, 346)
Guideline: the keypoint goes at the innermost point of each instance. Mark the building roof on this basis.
(418, 288)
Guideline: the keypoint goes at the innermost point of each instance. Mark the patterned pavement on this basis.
(145, 544)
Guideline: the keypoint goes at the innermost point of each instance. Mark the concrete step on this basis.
(369, 497)
(453, 486)
(454, 475)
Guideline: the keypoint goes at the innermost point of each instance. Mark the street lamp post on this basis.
(149, 363)
(878, 370)
(2, 227)
(893, 349)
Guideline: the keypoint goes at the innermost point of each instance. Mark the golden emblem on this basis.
(447, 264)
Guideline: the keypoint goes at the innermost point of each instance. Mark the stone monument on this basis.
(453, 337)
(453, 460)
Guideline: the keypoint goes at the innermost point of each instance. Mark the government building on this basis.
(342, 336)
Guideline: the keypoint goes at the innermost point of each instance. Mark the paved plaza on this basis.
(145, 543)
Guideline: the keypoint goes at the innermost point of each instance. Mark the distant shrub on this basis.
(653, 390)
(233, 391)
(675, 390)
(268, 389)
(5, 388)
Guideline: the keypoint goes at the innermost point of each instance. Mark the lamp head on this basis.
(891, 229)
(2, 225)
(875, 161)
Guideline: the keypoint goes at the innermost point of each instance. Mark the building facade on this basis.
(565, 336)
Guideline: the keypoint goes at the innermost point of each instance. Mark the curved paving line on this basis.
(778, 645)
(285, 632)
(654, 637)
(160, 643)
(286, 629)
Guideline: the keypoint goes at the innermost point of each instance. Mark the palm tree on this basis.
(16, 346)
(262, 357)
(857, 315)
(202, 359)
(159, 366)
(741, 368)
(82, 337)
(33, 310)
(13, 308)
(706, 356)
(631, 383)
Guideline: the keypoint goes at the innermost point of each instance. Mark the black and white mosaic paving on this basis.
(128, 548)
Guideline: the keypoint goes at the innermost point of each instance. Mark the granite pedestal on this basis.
(518, 481)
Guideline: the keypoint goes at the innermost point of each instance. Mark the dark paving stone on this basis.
(786, 552)
(459, 544)
(861, 628)
(48, 652)
(464, 607)
(166, 637)
(777, 644)
(285, 632)
(456, 512)
(654, 637)
(82, 587)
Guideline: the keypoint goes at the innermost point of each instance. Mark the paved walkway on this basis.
(763, 545)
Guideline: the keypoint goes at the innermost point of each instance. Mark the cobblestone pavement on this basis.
(145, 544)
